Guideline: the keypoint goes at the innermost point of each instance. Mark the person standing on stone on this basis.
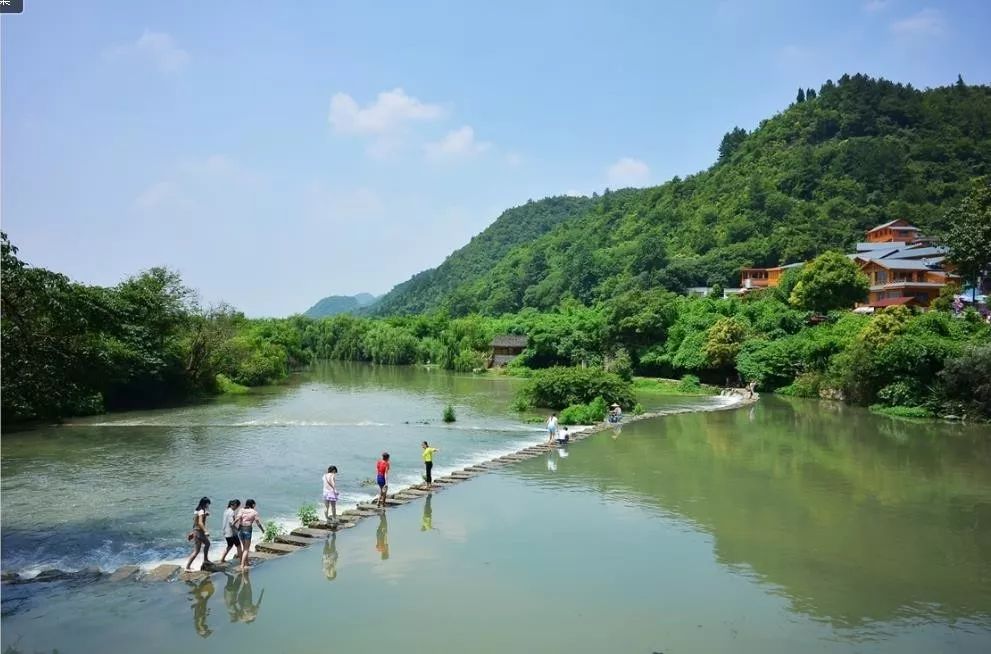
(552, 428)
(330, 494)
(246, 519)
(230, 533)
(428, 462)
(199, 534)
(382, 477)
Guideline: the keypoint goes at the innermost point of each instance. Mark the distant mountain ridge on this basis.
(336, 304)
(855, 154)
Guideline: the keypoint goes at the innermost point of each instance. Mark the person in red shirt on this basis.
(382, 477)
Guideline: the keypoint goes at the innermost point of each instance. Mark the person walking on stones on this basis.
(428, 462)
(330, 495)
(199, 535)
(246, 519)
(382, 477)
(230, 533)
(552, 428)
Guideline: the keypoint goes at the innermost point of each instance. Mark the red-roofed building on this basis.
(894, 231)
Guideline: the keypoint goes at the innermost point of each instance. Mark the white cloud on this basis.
(514, 158)
(157, 47)
(628, 172)
(388, 113)
(874, 6)
(928, 22)
(456, 144)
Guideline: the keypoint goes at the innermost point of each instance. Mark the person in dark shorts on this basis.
(230, 533)
(199, 535)
(382, 477)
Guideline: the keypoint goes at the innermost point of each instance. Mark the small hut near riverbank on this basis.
(505, 348)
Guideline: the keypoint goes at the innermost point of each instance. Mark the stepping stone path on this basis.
(125, 573)
(289, 539)
(277, 548)
(301, 537)
(164, 572)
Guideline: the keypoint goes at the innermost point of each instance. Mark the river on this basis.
(789, 526)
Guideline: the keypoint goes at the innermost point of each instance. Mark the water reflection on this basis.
(201, 592)
(382, 537)
(330, 557)
(240, 599)
(427, 522)
(852, 517)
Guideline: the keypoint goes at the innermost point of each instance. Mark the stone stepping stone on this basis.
(395, 501)
(367, 513)
(125, 573)
(289, 539)
(262, 556)
(445, 481)
(164, 572)
(414, 492)
(277, 548)
(462, 475)
(193, 576)
(309, 532)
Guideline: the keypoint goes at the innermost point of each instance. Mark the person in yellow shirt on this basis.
(428, 461)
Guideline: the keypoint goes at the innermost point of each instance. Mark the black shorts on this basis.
(232, 541)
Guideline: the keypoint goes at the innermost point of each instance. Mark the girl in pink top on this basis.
(246, 519)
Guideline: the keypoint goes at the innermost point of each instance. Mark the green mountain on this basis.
(335, 304)
(516, 226)
(857, 153)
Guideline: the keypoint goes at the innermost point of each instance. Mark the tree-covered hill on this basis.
(856, 153)
(335, 304)
(516, 226)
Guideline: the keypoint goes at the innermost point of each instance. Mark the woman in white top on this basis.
(330, 494)
(230, 532)
(552, 428)
(199, 535)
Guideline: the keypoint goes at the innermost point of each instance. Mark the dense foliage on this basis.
(516, 226)
(560, 387)
(968, 233)
(71, 349)
(813, 178)
(830, 281)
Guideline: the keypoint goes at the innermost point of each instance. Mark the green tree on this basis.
(968, 235)
(723, 341)
(830, 281)
(801, 96)
(731, 141)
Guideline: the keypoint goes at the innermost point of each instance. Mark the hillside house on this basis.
(505, 348)
(902, 281)
(894, 231)
(765, 277)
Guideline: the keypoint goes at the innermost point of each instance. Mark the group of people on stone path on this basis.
(238, 524)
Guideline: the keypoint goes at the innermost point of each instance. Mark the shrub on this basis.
(967, 379)
(226, 385)
(638, 409)
(273, 531)
(902, 411)
(805, 385)
(468, 360)
(560, 387)
(621, 364)
(584, 414)
(690, 384)
(307, 514)
(900, 393)
(449, 415)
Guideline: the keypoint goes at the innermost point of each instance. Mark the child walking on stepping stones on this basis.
(381, 477)
(330, 495)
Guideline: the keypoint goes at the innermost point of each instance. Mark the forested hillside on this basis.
(335, 304)
(516, 226)
(854, 154)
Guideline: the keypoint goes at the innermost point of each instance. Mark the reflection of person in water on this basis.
(616, 431)
(551, 463)
(201, 592)
(330, 558)
(428, 515)
(240, 600)
(382, 537)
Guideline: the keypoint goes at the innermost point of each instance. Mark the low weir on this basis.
(302, 537)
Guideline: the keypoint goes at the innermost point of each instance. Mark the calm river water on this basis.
(789, 527)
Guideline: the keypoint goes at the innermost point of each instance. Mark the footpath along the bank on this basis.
(302, 537)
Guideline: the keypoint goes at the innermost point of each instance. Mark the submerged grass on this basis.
(687, 385)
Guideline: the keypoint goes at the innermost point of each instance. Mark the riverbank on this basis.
(301, 536)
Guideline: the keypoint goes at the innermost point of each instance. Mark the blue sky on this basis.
(275, 153)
